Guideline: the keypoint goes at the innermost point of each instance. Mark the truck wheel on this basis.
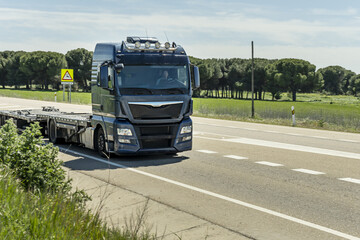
(100, 143)
(52, 132)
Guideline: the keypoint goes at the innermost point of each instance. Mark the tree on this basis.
(294, 74)
(336, 79)
(354, 86)
(272, 84)
(80, 60)
(15, 77)
(42, 68)
(4, 60)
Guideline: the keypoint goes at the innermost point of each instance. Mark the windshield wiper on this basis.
(137, 91)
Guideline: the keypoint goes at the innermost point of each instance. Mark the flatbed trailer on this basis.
(58, 126)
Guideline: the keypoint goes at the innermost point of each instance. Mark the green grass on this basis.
(76, 97)
(341, 113)
(341, 116)
(24, 215)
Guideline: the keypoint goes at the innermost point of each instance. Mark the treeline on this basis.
(220, 78)
(231, 78)
(42, 69)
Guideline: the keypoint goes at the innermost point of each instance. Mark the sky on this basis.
(325, 33)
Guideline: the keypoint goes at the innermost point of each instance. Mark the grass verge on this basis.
(76, 97)
(36, 199)
(319, 111)
(334, 116)
(24, 215)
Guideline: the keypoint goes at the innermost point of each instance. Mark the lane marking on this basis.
(235, 157)
(270, 131)
(293, 147)
(250, 129)
(352, 180)
(271, 164)
(216, 195)
(308, 171)
(285, 133)
(348, 140)
(296, 134)
(11, 106)
(206, 151)
(321, 137)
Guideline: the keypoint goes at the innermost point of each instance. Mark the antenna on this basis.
(146, 33)
(166, 36)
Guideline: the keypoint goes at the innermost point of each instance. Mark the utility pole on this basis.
(252, 80)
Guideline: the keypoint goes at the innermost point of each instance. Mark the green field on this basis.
(341, 113)
(335, 116)
(76, 97)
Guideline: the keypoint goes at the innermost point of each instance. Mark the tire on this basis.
(100, 143)
(53, 132)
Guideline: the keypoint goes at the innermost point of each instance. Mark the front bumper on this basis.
(152, 138)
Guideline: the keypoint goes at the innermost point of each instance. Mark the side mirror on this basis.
(196, 78)
(119, 67)
(104, 76)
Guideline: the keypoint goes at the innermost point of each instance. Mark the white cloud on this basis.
(63, 31)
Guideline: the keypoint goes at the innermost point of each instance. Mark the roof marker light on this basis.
(157, 45)
(137, 44)
(167, 45)
(147, 44)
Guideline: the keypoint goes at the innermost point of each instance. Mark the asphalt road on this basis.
(254, 181)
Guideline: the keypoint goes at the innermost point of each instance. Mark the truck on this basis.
(141, 92)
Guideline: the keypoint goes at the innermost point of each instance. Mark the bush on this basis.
(35, 163)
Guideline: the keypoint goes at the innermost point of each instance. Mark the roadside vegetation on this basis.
(312, 110)
(36, 199)
(343, 115)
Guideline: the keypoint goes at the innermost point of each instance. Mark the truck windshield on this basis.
(154, 79)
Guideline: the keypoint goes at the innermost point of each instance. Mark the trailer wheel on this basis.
(53, 132)
(100, 144)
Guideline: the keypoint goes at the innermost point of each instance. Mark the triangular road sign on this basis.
(67, 76)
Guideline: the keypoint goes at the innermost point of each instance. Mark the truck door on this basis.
(106, 92)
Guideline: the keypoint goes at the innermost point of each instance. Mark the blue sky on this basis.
(321, 32)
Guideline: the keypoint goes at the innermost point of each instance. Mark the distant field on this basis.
(76, 97)
(341, 113)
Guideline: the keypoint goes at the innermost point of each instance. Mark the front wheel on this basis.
(100, 143)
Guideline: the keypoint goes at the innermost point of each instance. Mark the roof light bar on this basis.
(148, 44)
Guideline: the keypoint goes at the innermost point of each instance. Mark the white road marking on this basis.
(235, 157)
(285, 133)
(11, 106)
(250, 129)
(308, 171)
(347, 140)
(271, 164)
(216, 195)
(321, 137)
(295, 134)
(352, 180)
(270, 131)
(206, 151)
(293, 147)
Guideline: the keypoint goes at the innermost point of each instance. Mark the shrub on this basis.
(35, 163)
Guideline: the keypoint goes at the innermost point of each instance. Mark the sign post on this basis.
(67, 78)
(293, 116)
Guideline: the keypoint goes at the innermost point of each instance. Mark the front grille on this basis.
(170, 111)
(156, 136)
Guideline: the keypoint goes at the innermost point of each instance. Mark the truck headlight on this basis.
(124, 132)
(186, 129)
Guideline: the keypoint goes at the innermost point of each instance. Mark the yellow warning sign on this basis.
(67, 76)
